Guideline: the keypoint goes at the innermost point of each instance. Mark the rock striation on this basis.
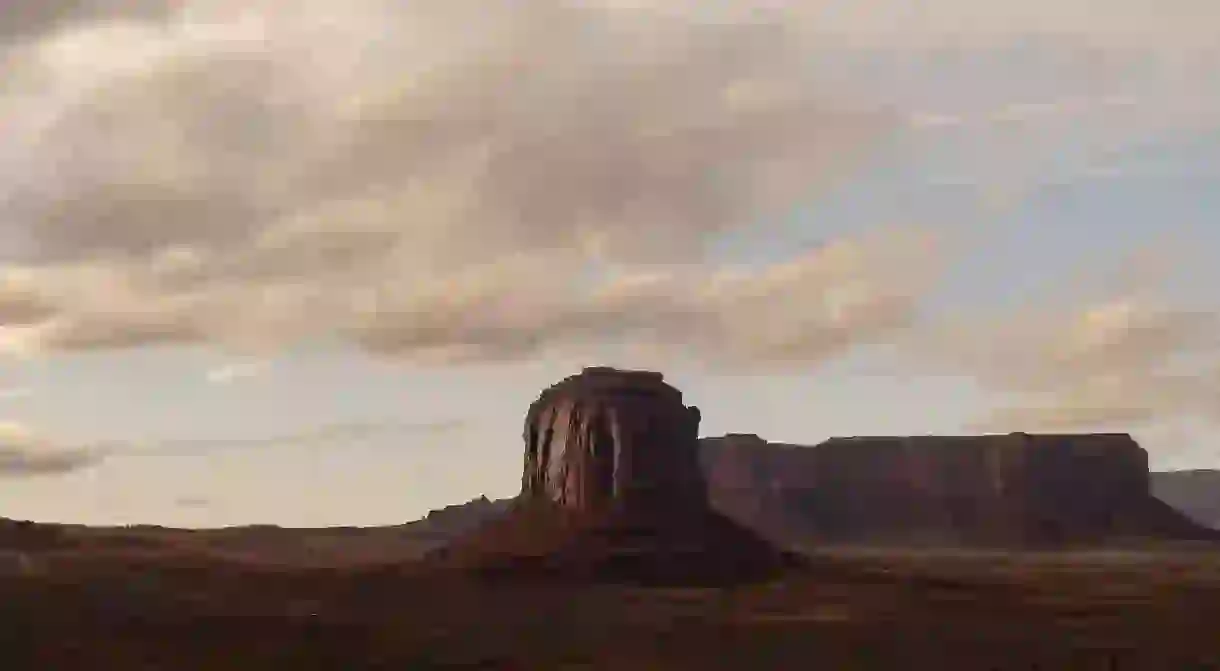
(1001, 490)
(612, 490)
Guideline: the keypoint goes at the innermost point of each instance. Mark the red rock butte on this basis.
(611, 438)
(612, 490)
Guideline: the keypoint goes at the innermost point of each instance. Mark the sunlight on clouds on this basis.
(1121, 357)
(492, 182)
(15, 393)
(469, 181)
(234, 372)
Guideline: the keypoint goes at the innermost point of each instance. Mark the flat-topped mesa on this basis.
(1011, 489)
(612, 438)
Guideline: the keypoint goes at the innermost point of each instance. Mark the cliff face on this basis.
(608, 437)
(1006, 490)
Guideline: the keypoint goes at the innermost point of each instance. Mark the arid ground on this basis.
(134, 609)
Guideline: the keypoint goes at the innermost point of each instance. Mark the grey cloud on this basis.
(1173, 27)
(326, 436)
(1077, 409)
(233, 372)
(1036, 351)
(15, 393)
(170, 157)
(21, 303)
(645, 147)
(192, 502)
(805, 310)
(1119, 357)
(480, 187)
(26, 454)
(31, 20)
(15, 462)
(1115, 402)
(534, 121)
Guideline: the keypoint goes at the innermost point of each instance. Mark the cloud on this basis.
(193, 502)
(1028, 112)
(1117, 401)
(329, 435)
(30, 21)
(466, 180)
(1120, 336)
(1117, 357)
(237, 371)
(454, 181)
(480, 125)
(1173, 26)
(15, 393)
(24, 454)
(1089, 405)
(20, 301)
(806, 309)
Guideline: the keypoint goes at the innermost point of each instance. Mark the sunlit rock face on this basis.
(613, 438)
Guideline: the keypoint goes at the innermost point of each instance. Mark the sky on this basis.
(308, 266)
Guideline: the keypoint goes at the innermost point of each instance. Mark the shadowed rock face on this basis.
(1015, 489)
(611, 438)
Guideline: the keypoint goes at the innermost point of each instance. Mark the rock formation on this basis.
(460, 518)
(612, 490)
(608, 438)
(1004, 490)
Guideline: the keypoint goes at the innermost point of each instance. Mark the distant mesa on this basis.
(1195, 492)
(1014, 490)
(612, 490)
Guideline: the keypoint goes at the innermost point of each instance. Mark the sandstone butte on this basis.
(612, 490)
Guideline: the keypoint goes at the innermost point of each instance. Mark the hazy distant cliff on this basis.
(1196, 493)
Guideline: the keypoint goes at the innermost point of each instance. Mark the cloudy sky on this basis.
(307, 263)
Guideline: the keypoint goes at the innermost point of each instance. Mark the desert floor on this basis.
(850, 610)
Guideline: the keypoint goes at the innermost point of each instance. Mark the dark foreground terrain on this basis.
(154, 609)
